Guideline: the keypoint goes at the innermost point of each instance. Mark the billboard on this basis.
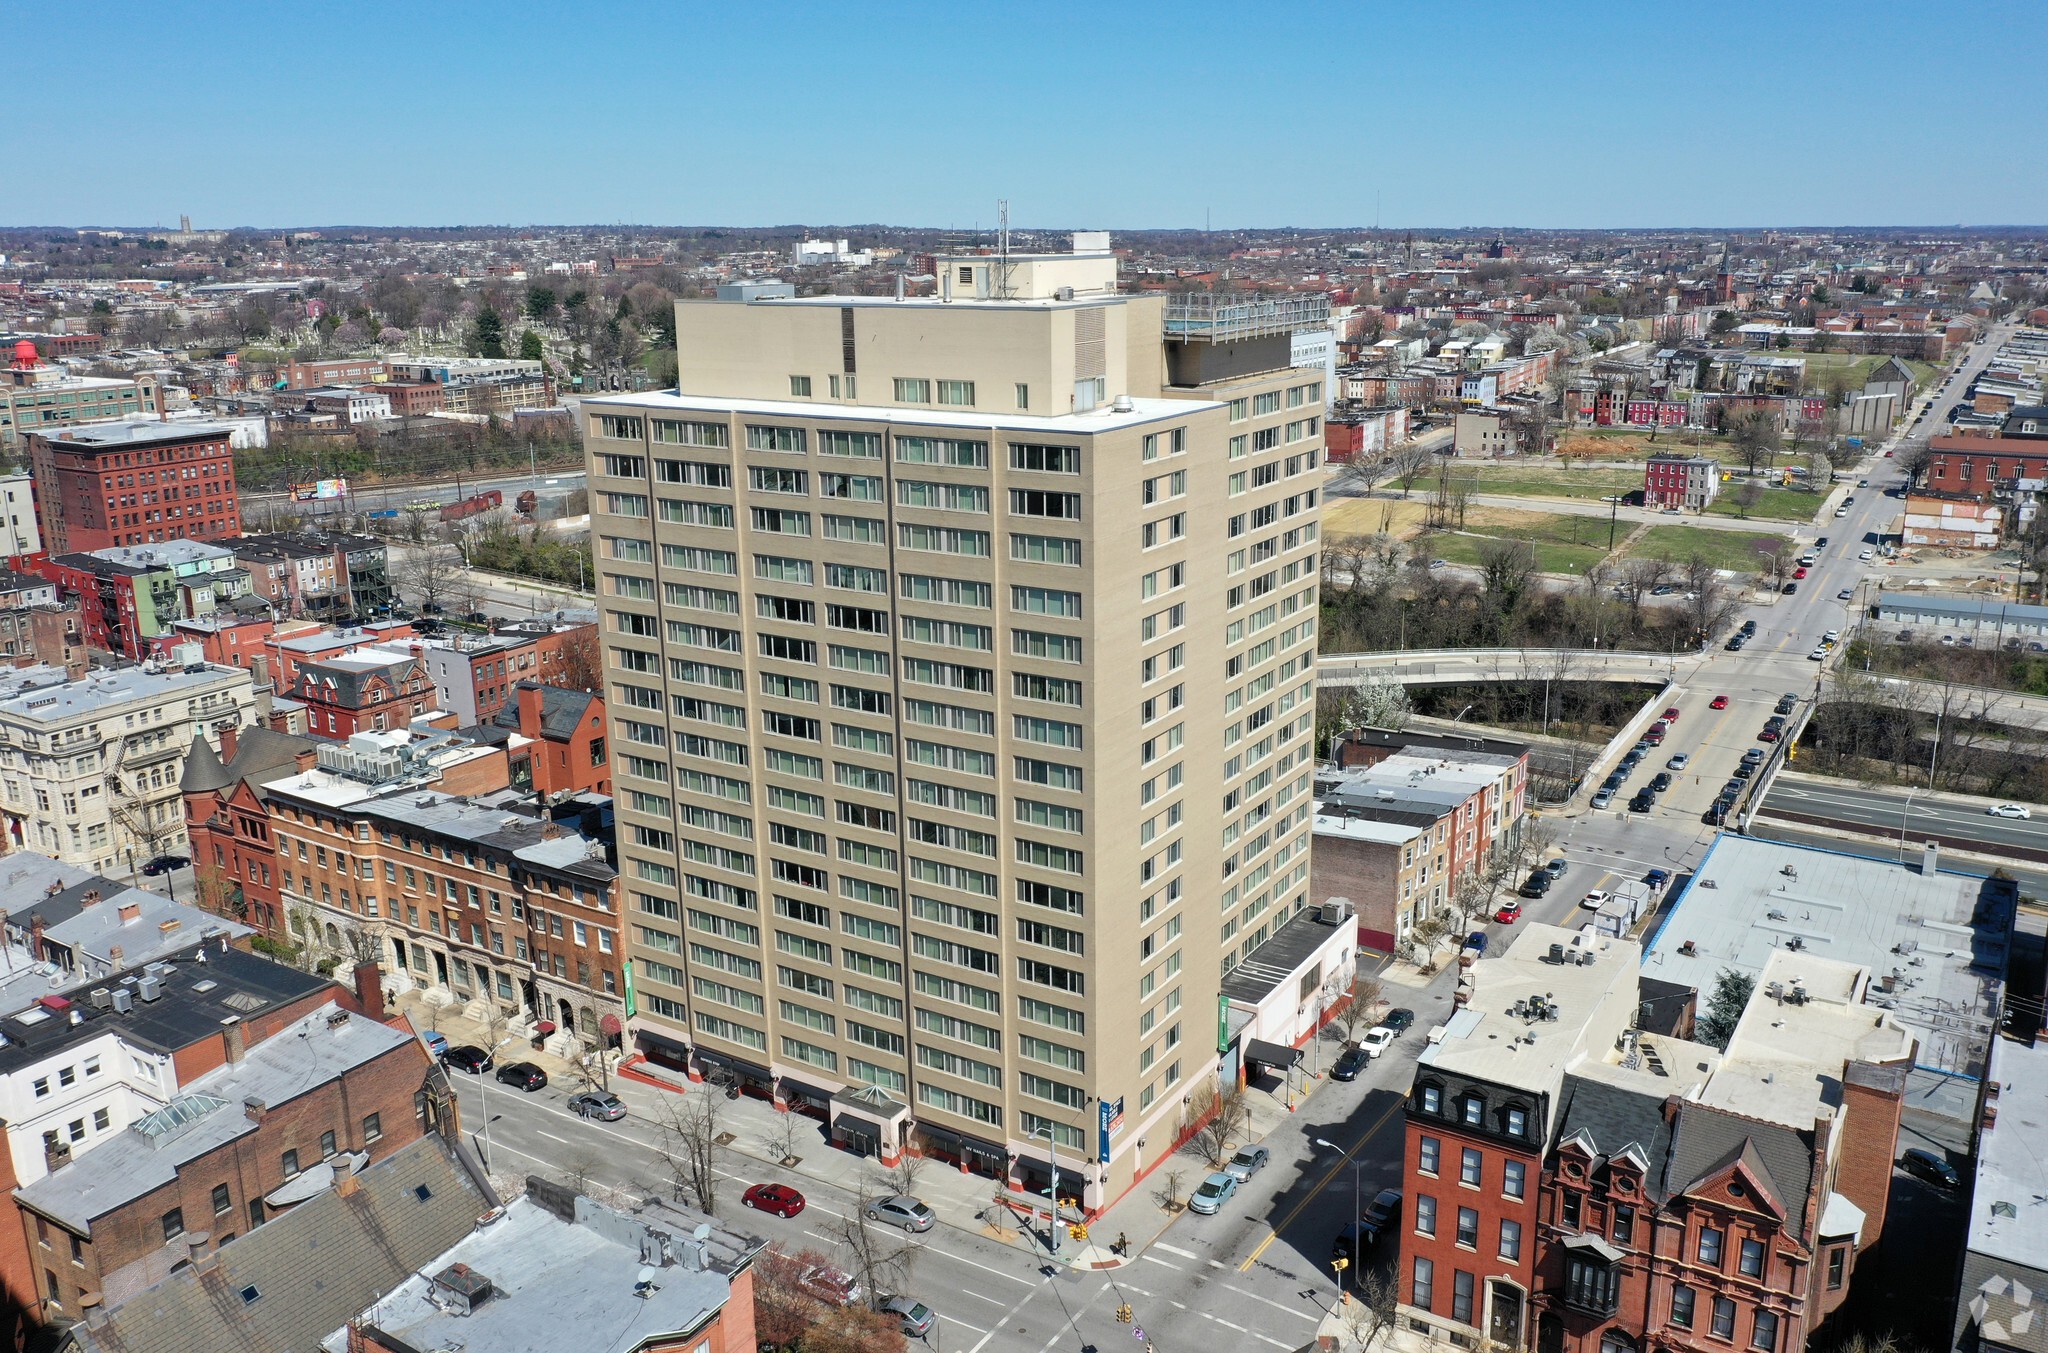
(320, 488)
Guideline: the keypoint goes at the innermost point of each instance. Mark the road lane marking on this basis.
(986, 1269)
(956, 1320)
(1342, 1161)
(1162, 1263)
(1175, 1249)
(1010, 1314)
(553, 1138)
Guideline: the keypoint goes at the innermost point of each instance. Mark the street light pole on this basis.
(1052, 1148)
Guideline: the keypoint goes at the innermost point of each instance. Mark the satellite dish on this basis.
(703, 1231)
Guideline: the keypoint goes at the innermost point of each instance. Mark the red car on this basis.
(1671, 715)
(1798, 573)
(1509, 913)
(1767, 735)
(780, 1199)
(1719, 702)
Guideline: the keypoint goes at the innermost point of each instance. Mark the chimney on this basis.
(1930, 859)
(35, 937)
(255, 1109)
(195, 1244)
(370, 989)
(129, 911)
(92, 896)
(529, 709)
(95, 1309)
(235, 1037)
(114, 957)
(227, 744)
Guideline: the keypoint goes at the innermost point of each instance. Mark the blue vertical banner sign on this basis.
(1110, 1119)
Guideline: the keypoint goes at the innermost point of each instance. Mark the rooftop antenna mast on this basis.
(1003, 248)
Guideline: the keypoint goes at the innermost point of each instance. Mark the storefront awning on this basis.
(1270, 1054)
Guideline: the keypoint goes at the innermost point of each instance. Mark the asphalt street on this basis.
(1895, 812)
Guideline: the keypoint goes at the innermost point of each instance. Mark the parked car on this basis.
(1786, 704)
(1745, 770)
(1348, 1245)
(904, 1211)
(602, 1105)
(1799, 574)
(916, 1317)
(474, 1060)
(1643, 802)
(1734, 645)
(1657, 878)
(1248, 1161)
(437, 1043)
(1767, 735)
(1613, 782)
(1925, 1165)
(1213, 1193)
(1790, 588)
(1869, 555)
(1509, 913)
(1476, 941)
(1594, 900)
(1399, 1020)
(1380, 1214)
(780, 1199)
(1555, 868)
(1671, 715)
(1818, 655)
(525, 1075)
(830, 1284)
(164, 864)
(1350, 1062)
(1602, 798)
(1753, 757)
(1537, 885)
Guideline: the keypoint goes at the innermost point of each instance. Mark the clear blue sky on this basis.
(1791, 112)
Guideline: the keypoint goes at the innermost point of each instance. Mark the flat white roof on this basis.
(1104, 419)
(2008, 1218)
(1360, 829)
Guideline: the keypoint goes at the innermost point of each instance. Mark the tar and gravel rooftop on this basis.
(1941, 938)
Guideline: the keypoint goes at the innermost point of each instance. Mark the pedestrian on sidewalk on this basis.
(1123, 1243)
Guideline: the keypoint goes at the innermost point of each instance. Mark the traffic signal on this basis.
(1123, 1314)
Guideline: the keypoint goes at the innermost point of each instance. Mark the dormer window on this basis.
(1432, 1099)
(1518, 1122)
(1475, 1111)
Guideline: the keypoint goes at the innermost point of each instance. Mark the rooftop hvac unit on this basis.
(124, 1000)
(1336, 910)
(150, 988)
(102, 999)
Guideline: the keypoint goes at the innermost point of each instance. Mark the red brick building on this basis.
(100, 485)
(414, 399)
(568, 754)
(373, 688)
(1681, 481)
(331, 371)
(1982, 464)
(329, 1093)
(227, 818)
(1576, 1183)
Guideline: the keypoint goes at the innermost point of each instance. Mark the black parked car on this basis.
(1352, 1061)
(164, 864)
(1661, 782)
(1399, 1020)
(525, 1075)
(474, 1060)
(1613, 782)
(1927, 1166)
(1538, 884)
(1744, 771)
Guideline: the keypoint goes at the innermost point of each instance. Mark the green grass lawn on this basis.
(1564, 542)
(1771, 504)
(1723, 549)
(1539, 482)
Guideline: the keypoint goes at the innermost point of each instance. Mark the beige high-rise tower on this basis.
(960, 660)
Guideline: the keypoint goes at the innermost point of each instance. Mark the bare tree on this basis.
(689, 1129)
(1172, 1185)
(1231, 1111)
(430, 573)
(790, 1131)
(1753, 432)
(1362, 1012)
(903, 1175)
(1747, 495)
(1411, 461)
(879, 1261)
(1369, 1315)
(1359, 476)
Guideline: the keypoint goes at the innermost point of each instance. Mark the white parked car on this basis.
(1818, 655)
(2010, 810)
(1867, 554)
(1841, 512)
(1377, 1040)
(1594, 900)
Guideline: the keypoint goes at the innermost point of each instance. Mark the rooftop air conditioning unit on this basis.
(124, 1000)
(102, 999)
(1336, 910)
(150, 989)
